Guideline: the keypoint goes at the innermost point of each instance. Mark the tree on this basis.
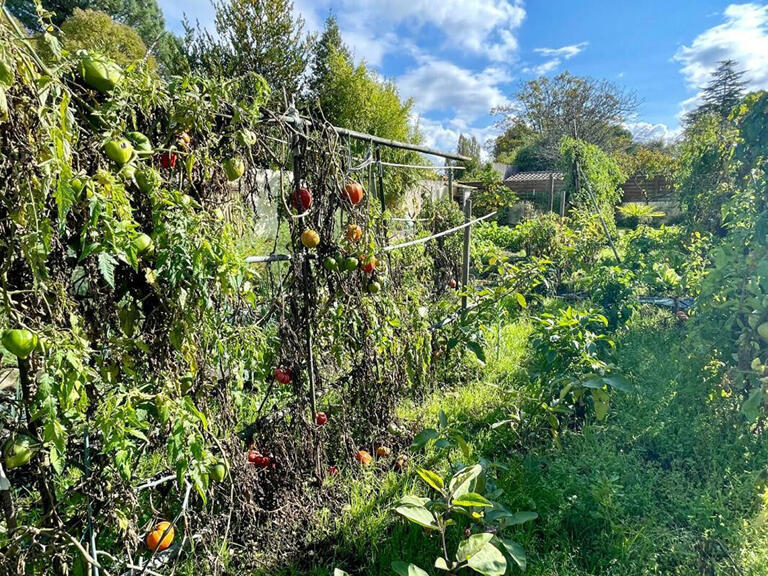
(91, 30)
(557, 107)
(143, 15)
(722, 93)
(470, 147)
(253, 36)
(516, 136)
(330, 45)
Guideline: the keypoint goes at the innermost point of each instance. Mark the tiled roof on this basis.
(533, 176)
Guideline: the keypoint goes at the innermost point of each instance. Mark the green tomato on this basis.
(218, 472)
(143, 244)
(147, 180)
(99, 72)
(20, 342)
(77, 184)
(119, 151)
(330, 264)
(234, 168)
(17, 451)
(762, 330)
(141, 144)
(351, 263)
(374, 287)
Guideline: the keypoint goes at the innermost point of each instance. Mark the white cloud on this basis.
(440, 86)
(444, 135)
(485, 27)
(555, 57)
(566, 52)
(742, 37)
(647, 132)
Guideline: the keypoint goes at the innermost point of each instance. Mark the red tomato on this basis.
(168, 160)
(320, 418)
(452, 283)
(283, 375)
(333, 471)
(305, 198)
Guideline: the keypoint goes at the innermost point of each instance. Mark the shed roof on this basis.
(533, 176)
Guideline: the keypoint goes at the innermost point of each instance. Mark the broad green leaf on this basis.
(107, 268)
(413, 500)
(441, 564)
(593, 382)
(520, 518)
(751, 406)
(472, 499)
(431, 478)
(472, 545)
(462, 480)
(521, 300)
(339, 572)
(515, 552)
(442, 419)
(477, 350)
(489, 561)
(619, 382)
(601, 399)
(406, 569)
(418, 515)
(422, 438)
(3, 105)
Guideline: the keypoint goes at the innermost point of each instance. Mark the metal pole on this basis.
(551, 192)
(467, 239)
(400, 145)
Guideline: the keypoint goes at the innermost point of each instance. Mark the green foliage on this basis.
(571, 361)
(508, 144)
(611, 288)
(598, 169)
(556, 107)
(459, 504)
(636, 213)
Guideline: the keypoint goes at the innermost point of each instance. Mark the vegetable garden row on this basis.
(168, 407)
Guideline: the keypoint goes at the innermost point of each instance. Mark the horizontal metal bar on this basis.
(425, 167)
(438, 235)
(401, 145)
(287, 257)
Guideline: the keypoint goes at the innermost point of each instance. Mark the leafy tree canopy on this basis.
(556, 107)
(722, 93)
(143, 15)
(252, 36)
(91, 30)
(516, 136)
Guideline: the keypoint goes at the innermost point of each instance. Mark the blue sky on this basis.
(458, 59)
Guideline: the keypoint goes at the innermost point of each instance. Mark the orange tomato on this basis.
(155, 539)
(363, 457)
(383, 452)
(354, 232)
(354, 192)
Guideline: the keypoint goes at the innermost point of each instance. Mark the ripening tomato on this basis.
(333, 471)
(161, 537)
(354, 192)
(452, 283)
(310, 238)
(354, 232)
(321, 418)
(305, 199)
(369, 264)
(383, 452)
(363, 457)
